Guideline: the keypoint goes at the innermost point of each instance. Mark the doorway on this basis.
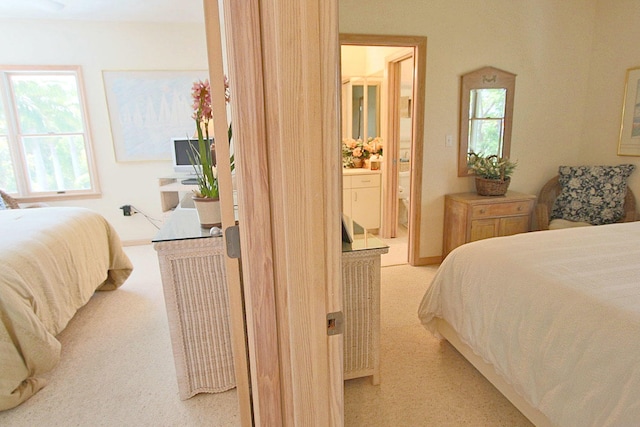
(396, 66)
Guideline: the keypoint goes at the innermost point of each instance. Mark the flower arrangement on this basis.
(490, 167)
(356, 150)
(206, 175)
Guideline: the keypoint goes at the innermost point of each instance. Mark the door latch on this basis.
(335, 323)
(232, 237)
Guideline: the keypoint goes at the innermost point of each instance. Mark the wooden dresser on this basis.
(469, 217)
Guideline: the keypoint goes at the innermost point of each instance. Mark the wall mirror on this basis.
(486, 114)
(361, 108)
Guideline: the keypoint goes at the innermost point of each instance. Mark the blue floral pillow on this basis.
(593, 194)
(2, 205)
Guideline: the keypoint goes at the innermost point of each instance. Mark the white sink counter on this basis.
(359, 171)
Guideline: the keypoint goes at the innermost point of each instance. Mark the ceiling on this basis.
(104, 10)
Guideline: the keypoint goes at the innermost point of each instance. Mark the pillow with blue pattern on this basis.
(3, 206)
(593, 194)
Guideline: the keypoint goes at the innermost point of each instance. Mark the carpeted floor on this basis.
(424, 382)
(117, 368)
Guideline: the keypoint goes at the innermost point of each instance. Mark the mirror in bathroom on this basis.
(361, 107)
(486, 114)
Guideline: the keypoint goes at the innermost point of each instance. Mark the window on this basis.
(45, 149)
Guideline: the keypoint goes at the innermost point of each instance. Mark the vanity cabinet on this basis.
(469, 217)
(361, 197)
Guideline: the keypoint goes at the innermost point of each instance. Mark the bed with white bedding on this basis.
(53, 259)
(551, 317)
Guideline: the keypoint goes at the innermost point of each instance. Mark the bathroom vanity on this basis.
(361, 196)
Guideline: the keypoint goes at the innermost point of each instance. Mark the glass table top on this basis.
(182, 224)
(362, 239)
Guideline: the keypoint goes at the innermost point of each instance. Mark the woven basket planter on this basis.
(492, 187)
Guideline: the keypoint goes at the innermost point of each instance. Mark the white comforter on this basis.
(557, 313)
(53, 259)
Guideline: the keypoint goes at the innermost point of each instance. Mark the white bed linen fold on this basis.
(557, 313)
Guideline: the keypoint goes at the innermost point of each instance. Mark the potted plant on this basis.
(493, 173)
(206, 196)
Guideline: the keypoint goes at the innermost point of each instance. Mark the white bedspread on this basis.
(53, 259)
(557, 313)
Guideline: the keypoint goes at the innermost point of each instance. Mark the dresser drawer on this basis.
(362, 181)
(501, 209)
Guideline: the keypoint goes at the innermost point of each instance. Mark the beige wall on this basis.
(616, 48)
(547, 43)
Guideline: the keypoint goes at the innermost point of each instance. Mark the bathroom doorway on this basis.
(393, 64)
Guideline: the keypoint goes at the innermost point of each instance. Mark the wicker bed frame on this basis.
(487, 370)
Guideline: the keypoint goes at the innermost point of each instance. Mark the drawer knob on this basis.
(519, 208)
(482, 210)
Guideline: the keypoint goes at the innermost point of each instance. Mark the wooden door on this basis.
(234, 281)
(284, 80)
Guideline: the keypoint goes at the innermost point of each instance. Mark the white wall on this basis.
(98, 46)
(547, 43)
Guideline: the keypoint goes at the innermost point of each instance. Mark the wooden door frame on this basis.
(284, 80)
(419, 45)
(390, 214)
(233, 276)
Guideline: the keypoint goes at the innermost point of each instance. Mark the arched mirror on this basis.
(486, 114)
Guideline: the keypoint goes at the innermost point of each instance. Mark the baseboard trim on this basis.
(429, 260)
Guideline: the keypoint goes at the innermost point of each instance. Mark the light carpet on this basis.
(117, 368)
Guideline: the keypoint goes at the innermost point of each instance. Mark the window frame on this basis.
(14, 135)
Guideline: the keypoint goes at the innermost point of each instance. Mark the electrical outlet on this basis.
(126, 210)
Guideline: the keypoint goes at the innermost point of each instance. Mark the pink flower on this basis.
(357, 152)
(201, 94)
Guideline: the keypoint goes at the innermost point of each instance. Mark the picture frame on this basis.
(147, 108)
(629, 141)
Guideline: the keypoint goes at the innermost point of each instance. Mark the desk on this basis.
(173, 193)
(194, 282)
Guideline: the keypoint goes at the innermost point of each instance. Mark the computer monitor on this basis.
(181, 154)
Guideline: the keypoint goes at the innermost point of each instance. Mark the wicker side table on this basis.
(194, 283)
(361, 307)
(361, 302)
